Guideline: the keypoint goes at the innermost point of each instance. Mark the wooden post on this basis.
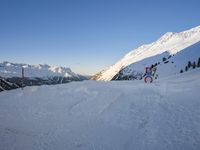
(22, 78)
(22, 72)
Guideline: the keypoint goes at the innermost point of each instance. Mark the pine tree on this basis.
(181, 71)
(186, 68)
(194, 65)
(189, 64)
(169, 56)
(164, 59)
(198, 64)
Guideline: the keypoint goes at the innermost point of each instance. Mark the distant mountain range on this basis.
(11, 75)
(170, 54)
(173, 53)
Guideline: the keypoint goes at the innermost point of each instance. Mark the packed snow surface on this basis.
(90, 115)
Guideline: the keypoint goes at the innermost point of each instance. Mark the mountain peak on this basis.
(171, 42)
(8, 69)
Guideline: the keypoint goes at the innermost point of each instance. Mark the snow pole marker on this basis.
(22, 78)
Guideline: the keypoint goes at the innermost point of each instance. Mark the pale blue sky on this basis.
(87, 35)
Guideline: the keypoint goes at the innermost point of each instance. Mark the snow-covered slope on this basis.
(172, 64)
(8, 69)
(170, 43)
(94, 115)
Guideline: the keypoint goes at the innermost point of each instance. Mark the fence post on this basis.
(22, 78)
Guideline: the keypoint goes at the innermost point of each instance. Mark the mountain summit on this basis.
(11, 75)
(170, 43)
(8, 69)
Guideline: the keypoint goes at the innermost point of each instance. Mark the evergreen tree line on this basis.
(192, 65)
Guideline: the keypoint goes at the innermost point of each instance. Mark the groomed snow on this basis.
(90, 115)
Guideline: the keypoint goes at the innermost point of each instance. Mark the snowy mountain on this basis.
(165, 63)
(8, 69)
(11, 75)
(168, 45)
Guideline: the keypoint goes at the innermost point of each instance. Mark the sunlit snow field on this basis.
(90, 115)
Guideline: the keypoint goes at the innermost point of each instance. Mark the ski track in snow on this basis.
(103, 115)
